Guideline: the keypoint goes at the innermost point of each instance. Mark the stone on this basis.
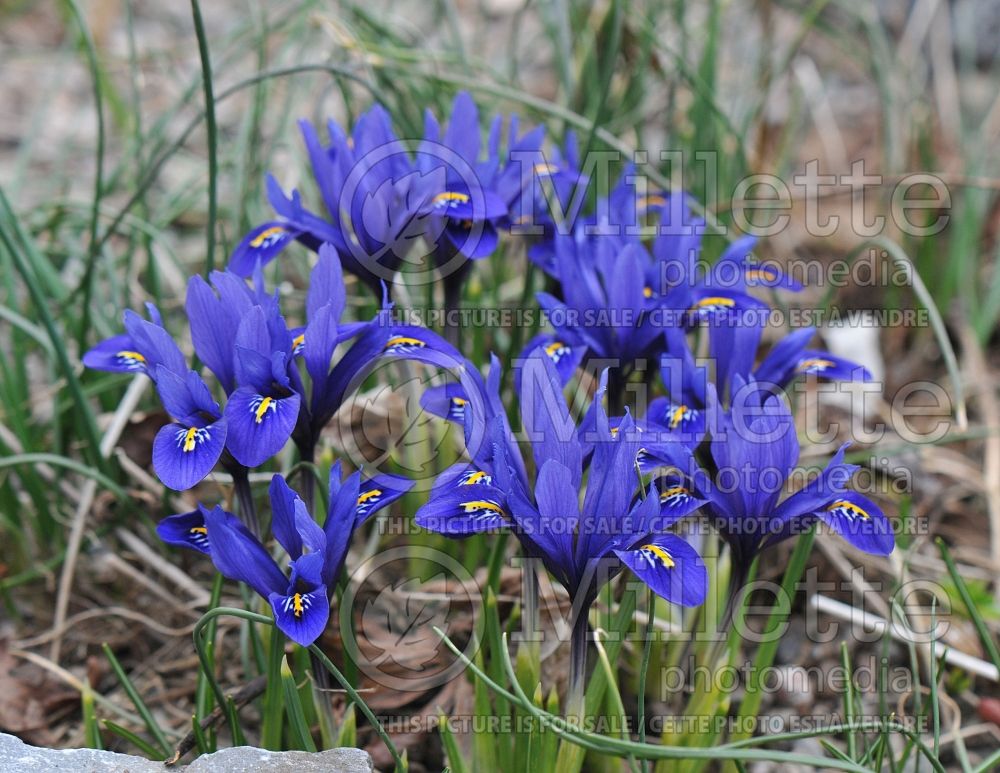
(17, 757)
(246, 759)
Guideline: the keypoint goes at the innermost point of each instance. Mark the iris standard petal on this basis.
(283, 499)
(240, 556)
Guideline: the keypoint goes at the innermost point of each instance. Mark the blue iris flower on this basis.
(755, 451)
(371, 195)
(467, 209)
(300, 598)
(608, 309)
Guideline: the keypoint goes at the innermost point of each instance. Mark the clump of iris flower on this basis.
(380, 195)
(300, 597)
(280, 383)
(606, 312)
(583, 544)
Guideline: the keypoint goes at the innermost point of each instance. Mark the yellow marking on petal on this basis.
(762, 273)
(373, 494)
(665, 558)
(678, 415)
(545, 169)
(814, 363)
(474, 478)
(199, 530)
(556, 351)
(851, 508)
(482, 504)
(127, 355)
(297, 608)
(266, 235)
(459, 401)
(645, 202)
(672, 492)
(713, 300)
(449, 196)
(647, 292)
(395, 341)
(189, 439)
(614, 431)
(298, 341)
(262, 409)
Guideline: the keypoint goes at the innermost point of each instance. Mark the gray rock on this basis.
(16, 756)
(246, 759)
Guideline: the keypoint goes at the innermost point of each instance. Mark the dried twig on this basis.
(247, 693)
(125, 408)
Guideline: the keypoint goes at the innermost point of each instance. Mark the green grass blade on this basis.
(989, 645)
(453, 754)
(212, 129)
(750, 705)
(348, 735)
(849, 701)
(91, 728)
(297, 724)
(140, 743)
(273, 719)
(140, 705)
(92, 251)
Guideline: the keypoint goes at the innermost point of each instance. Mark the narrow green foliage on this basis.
(456, 762)
(768, 649)
(91, 729)
(849, 702)
(298, 727)
(137, 741)
(988, 642)
(348, 735)
(273, 719)
(152, 725)
(210, 125)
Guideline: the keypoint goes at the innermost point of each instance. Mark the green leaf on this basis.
(139, 703)
(297, 724)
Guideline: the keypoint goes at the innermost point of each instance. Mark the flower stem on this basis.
(578, 662)
(248, 510)
(307, 455)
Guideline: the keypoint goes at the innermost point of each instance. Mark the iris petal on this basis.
(465, 510)
(861, 522)
(185, 530)
(259, 425)
(262, 244)
(302, 617)
(184, 455)
(671, 567)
